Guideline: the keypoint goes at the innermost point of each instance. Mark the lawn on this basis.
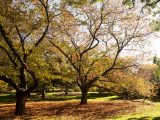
(151, 112)
(60, 107)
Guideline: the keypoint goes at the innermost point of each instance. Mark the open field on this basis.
(98, 108)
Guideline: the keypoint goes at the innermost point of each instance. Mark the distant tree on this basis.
(65, 85)
(63, 75)
(132, 82)
(3, 87)
(156, 76)
(5, 67)
(52, 68)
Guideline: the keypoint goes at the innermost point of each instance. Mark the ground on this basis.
(99, 108)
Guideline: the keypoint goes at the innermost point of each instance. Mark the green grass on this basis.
(7, 98)
(151, 113)
(58, 96)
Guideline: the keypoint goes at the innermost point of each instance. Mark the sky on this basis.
(156, 46)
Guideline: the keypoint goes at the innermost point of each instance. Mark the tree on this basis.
(51, 67)
(94, 36)
(23, 26)
(39, 63)
(4, 67)
(131, 83)
(64, 77)
(64, 84)
(55, 69)
(156, 75)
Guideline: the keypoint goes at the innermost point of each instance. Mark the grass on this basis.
(76, 96)
(57, 106)
(7, 98)
(149, 113)
(58, 96)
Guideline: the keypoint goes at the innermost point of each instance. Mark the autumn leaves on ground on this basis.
(98, 108)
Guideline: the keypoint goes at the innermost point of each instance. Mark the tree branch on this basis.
(10, 57)
(9, 81)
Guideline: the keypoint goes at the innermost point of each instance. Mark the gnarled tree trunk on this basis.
(43, 92)
(66, 90)
(84, 96)
(20, 103)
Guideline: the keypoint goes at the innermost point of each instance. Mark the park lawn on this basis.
(151, 112)
(57, 96)
(7, 98)
(59, 107)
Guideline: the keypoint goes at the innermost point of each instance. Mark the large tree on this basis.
(94, 36)
(23, 26)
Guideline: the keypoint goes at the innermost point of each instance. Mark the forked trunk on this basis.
(84, 96)
(20, 104)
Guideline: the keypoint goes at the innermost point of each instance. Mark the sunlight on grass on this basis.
(150, 113)
(104, 98)
(76, 96)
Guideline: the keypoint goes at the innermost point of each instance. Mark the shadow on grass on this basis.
(11, 98)
(156, 118)
(155, 99)
(71, 96)
(97, 95)
(145, 118)
(7, 98)
(142, 118)
(91, 96)
(52, 97)
(62, 98)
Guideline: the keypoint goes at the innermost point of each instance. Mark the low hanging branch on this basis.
(9, 81)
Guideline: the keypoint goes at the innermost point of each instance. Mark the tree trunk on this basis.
(20, 104)
(43, 92)
(66, 90)
(84, 96)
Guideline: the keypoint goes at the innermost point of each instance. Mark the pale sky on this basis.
(156, 46)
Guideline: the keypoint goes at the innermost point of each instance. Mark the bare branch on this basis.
(20, 37)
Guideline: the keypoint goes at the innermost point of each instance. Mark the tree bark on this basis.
(43, 92)
(84, 96)
(66, 90)
(20, 103)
